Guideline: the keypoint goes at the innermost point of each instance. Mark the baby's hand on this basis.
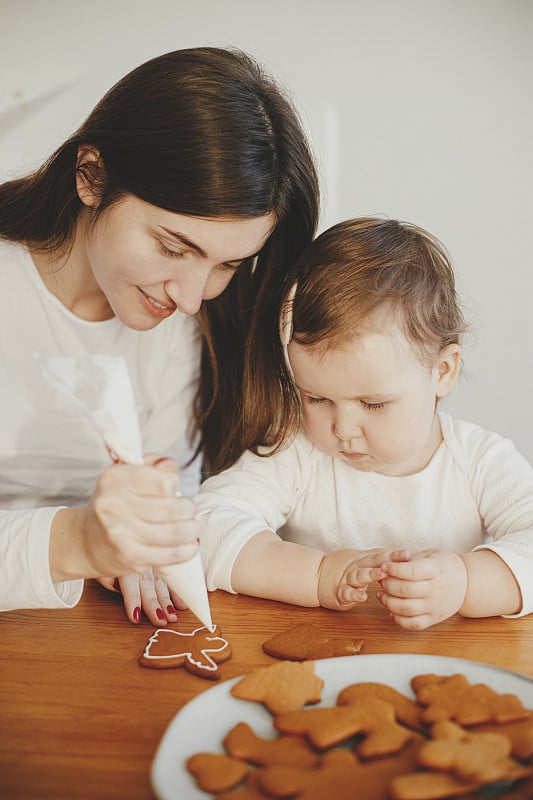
(345, 574)
(146, 592)
(428, 589)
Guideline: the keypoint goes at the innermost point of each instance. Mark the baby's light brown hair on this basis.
(345, 280)
(368, 265)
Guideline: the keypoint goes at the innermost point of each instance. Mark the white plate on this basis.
(202, 723)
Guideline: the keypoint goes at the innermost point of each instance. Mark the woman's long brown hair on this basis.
(203, 132)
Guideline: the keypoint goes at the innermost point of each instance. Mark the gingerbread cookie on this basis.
(335, 778)
(470, 755)
(305, 642)
(455, 698)
(458, 762)
(519, 733)
(200, 651)
(242, 742)
(406, 710)
(215, 772)
(325, 727)
(248, 791)
(282, 687)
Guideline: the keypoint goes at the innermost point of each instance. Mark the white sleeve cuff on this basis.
(25, 570)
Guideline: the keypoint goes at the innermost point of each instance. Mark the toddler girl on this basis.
(368, 480)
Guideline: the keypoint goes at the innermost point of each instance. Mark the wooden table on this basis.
(79, 718)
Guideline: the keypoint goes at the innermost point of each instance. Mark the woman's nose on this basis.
(187, 290)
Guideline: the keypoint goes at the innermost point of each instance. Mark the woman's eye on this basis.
(235, 264)
(372, 406)
(170, 253)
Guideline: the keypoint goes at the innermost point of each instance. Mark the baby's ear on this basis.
(88, 175)
(447, 369)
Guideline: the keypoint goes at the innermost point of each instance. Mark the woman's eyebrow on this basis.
(185, 241)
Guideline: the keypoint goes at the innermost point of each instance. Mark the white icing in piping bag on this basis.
(102, 388)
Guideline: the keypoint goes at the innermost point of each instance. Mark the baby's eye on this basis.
(314, 400)
(372, 406)
(164, 250)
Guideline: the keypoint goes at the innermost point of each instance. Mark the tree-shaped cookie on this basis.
(200, 651)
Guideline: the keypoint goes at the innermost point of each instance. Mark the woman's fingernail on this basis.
(137, 614)
(172, 610)
(159, 614)
(116, 585)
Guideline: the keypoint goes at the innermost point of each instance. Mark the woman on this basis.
(191, 180)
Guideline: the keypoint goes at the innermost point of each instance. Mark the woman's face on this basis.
(149, 262)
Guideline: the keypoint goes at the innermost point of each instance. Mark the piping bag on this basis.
(101, 386)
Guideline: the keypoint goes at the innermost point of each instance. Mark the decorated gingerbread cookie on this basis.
(200, 651)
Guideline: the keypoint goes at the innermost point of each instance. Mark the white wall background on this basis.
(418, 109)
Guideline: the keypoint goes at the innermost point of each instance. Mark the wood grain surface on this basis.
(79, 718)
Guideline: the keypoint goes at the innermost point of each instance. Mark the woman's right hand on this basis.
(132, 521)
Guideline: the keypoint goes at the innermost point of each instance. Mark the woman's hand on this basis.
(133, 521)
(428, 589)
(344, 575)
(146, 591)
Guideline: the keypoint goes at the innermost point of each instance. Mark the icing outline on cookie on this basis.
(207, 664)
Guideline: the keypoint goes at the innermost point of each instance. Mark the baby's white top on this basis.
(476, 491)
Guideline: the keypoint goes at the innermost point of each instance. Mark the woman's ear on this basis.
(447, 367)
(88, 165)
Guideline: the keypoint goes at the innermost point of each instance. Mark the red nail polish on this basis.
(137, 614)
(171, 610)
(160, 614)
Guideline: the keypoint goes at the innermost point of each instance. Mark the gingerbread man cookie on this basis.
(200, 652)
(455, 698)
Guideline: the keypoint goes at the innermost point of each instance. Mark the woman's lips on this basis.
(155, 307)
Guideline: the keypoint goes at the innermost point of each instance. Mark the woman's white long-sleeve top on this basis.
(477, 491)
(50, 456)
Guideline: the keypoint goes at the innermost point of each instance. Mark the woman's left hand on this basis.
(429, 588)
(146, 592)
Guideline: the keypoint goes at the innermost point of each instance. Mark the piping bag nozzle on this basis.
(185, 580)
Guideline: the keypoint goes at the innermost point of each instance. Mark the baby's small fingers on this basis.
(411, 570)
(411, 607)
(398, 555)
(360, 577)
(350, 595)
(405, 589)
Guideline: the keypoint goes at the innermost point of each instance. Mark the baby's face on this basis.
(371, 403)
